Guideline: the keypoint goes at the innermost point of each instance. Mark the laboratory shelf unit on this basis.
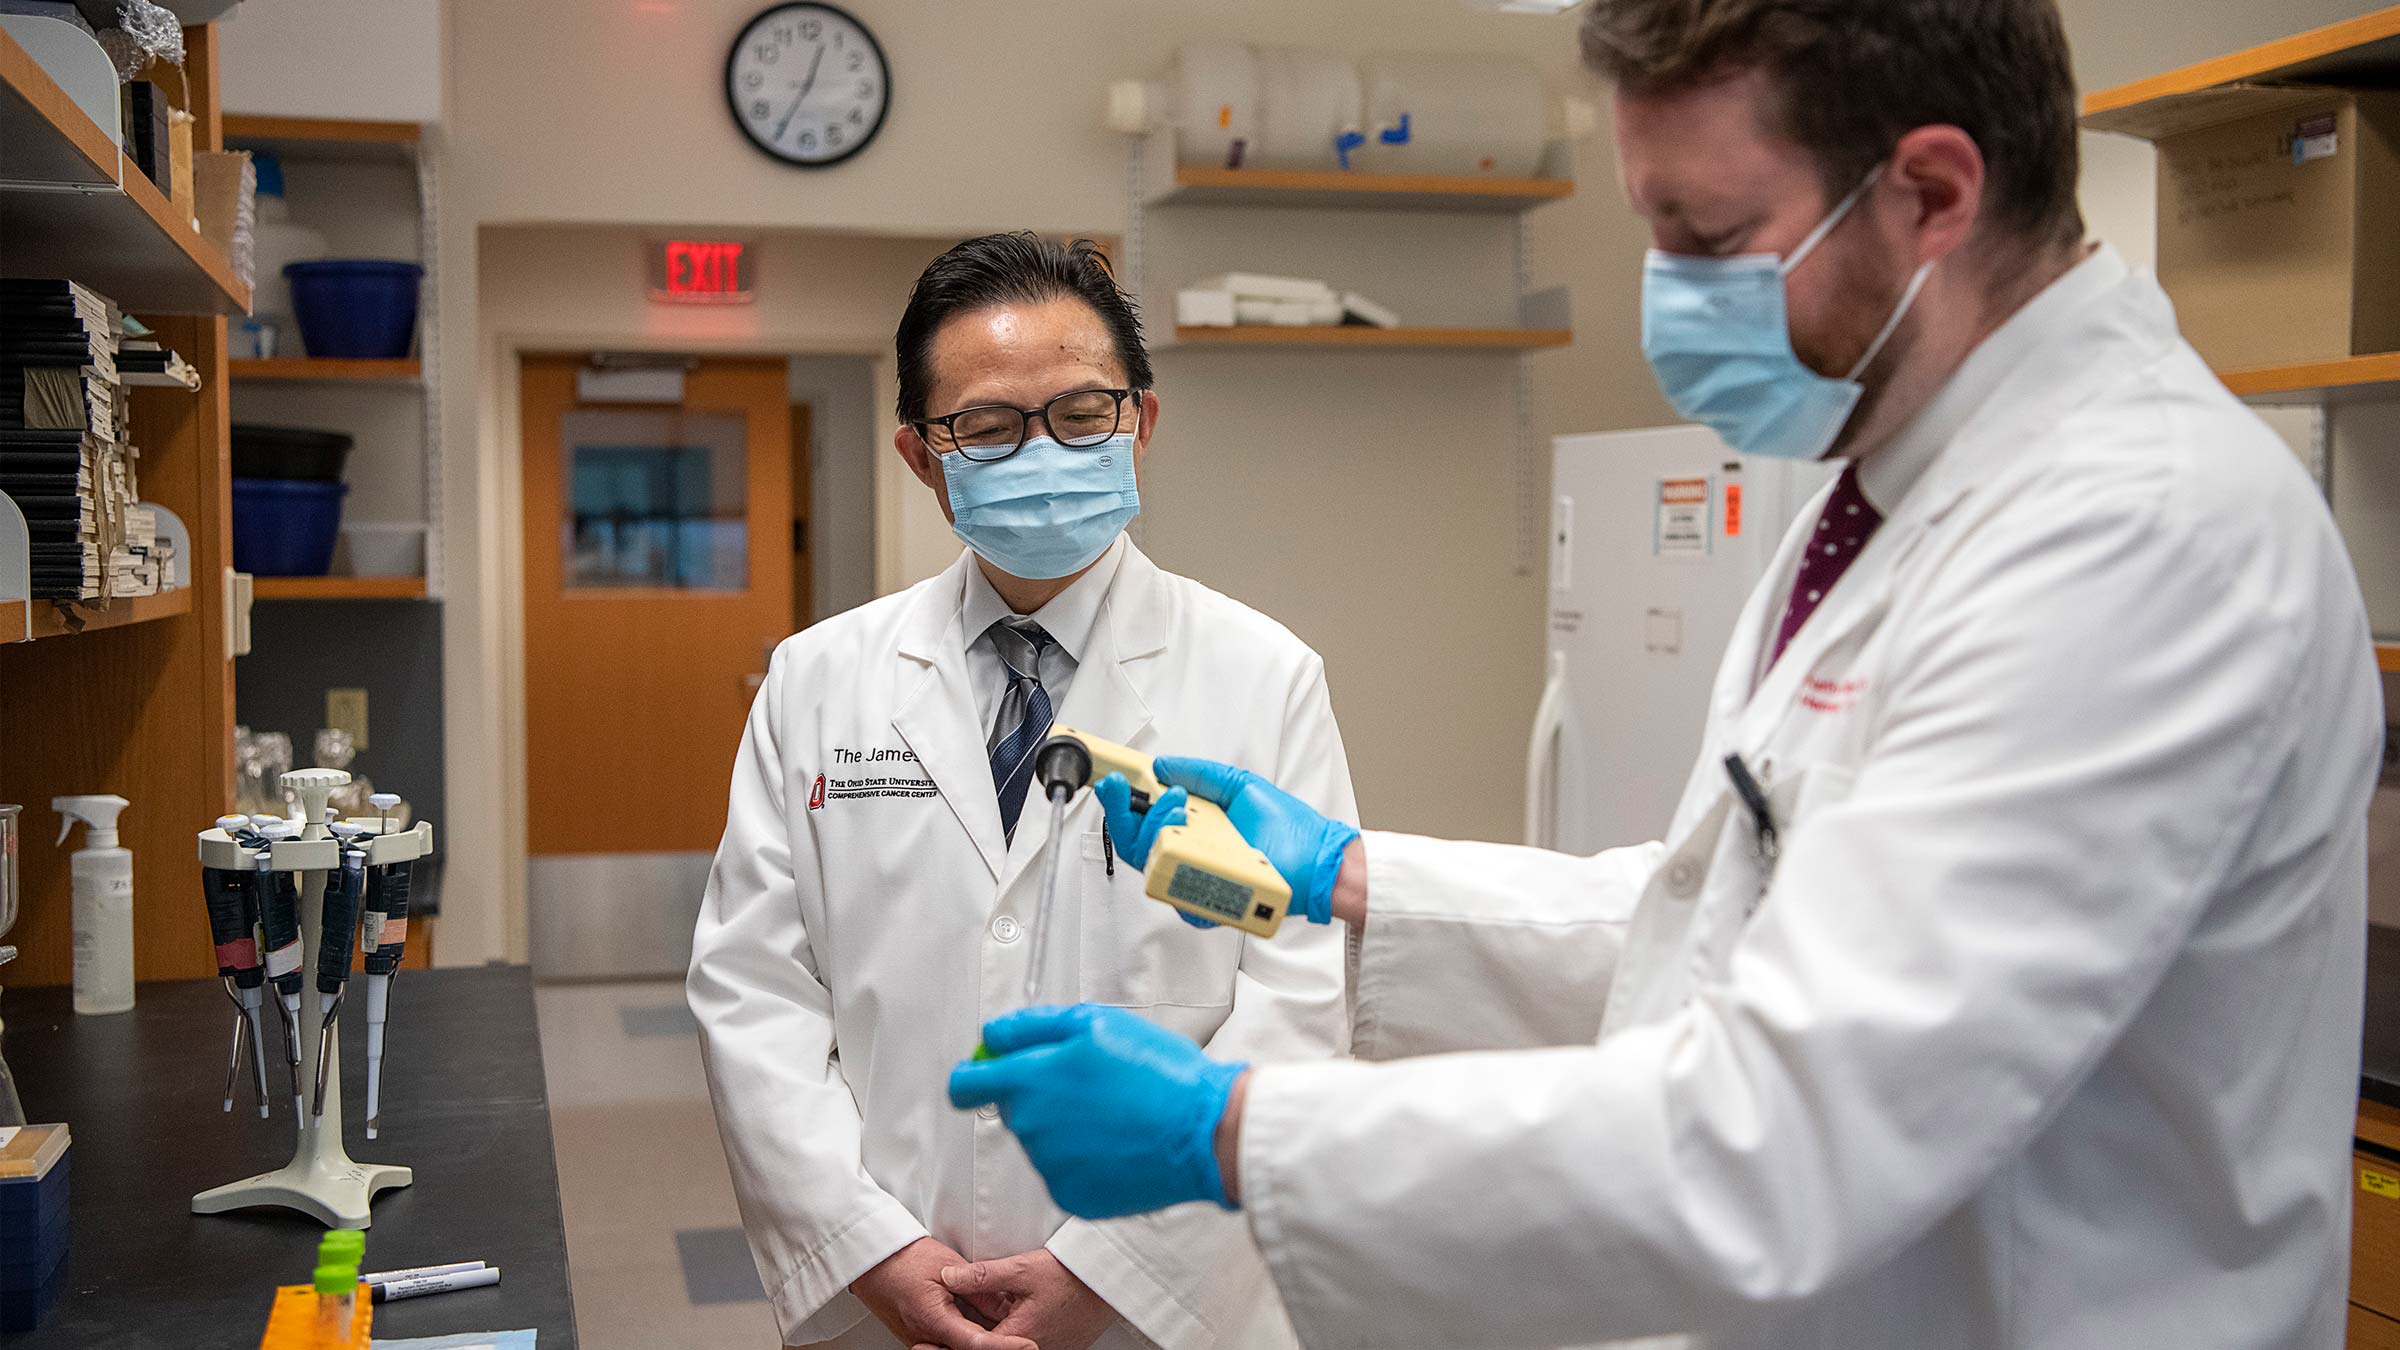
(134, 697)
(1200, 185)
(1358, 335)
(71, 206)
(338, 588)
(2387, 660)
(403, 370)
(2360, 51)
(325, 137)
(2376, 376)
(57, 620)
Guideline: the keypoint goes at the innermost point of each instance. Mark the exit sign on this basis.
(701, 272)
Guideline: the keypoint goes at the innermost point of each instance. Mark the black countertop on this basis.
(142, 1092)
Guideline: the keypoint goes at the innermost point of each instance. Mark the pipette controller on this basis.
(233, 927)
(345, 887)
(386, 941)
(1203, 867)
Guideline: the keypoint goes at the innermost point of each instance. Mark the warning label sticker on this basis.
(1682, 526)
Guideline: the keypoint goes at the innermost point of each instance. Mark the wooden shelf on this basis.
(1201, 186)
(2314, 381)
(337, 588)
(89, 215)
(49, 619)
(2387, 660)
(327, 369)
(323, 137)
(1351, 335)
(2361, 51)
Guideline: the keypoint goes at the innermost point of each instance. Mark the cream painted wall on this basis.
(374, 59)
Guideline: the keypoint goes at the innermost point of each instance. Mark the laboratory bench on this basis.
(464, 1104)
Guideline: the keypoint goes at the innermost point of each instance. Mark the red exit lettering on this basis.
(703, 268)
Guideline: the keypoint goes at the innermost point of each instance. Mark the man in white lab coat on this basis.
(876, 896)
(1998, 981)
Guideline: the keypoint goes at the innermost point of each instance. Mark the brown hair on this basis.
(1853, 76)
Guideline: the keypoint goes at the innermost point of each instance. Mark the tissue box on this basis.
(33, 1223)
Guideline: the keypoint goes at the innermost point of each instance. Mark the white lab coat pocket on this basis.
(1138, 952)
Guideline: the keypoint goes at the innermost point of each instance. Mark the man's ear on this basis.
(918, 456)
(1149, 427)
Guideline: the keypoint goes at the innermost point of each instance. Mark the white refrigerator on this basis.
(1657, 537)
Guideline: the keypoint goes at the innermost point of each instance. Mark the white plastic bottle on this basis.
(103, 876)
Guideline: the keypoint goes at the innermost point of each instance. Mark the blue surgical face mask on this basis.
(1717, 338)
(1046, 511)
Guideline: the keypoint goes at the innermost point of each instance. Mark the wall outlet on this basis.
(346, 710)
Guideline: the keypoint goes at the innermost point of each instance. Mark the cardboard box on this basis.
(2375, 1234)
(2279, 225)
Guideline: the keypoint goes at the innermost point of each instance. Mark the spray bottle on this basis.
(103, 879)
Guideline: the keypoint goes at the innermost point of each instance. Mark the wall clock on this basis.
(808, 84)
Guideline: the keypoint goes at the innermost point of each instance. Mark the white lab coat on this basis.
(856, 934)
(2044, 1030)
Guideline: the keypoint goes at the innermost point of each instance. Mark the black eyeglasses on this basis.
(1078, 420)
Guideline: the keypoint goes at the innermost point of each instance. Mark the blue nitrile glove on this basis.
(1135, 836)
(1118, 1115)
(1304, 846)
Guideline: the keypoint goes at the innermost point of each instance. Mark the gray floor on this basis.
(653, 1238)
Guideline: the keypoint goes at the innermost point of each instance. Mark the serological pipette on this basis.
(385, 942)
(344, 886)
(1062, 766)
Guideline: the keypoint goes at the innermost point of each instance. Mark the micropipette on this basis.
(233, 927)
(345, 885)
(279, 916)
(386, 942)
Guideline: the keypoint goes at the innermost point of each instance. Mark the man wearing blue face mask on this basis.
(873, 901)
(1997, 984)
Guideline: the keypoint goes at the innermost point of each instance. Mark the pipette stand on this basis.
(320, 1181)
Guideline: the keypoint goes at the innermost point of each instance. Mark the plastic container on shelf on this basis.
(302, 453)
(285, 528)
(356, 308)
(277, 242)
(1458, 115)
(1214, 103)
(383, 549)
(1307, 99)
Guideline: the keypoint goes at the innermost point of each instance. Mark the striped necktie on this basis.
(1024, 715)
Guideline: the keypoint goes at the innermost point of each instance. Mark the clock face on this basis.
(807, 84)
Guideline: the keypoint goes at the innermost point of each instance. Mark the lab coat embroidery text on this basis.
(1831, 696)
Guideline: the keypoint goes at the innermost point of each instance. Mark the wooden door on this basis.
(658, 578)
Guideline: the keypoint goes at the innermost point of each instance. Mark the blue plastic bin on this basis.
(359, 308)
(285, 527)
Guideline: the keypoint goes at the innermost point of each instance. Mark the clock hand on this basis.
(805, 86)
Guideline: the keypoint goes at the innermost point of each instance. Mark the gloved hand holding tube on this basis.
(1305, 846)
(1118, 1115)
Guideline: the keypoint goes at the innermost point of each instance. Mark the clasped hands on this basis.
(924, 1294)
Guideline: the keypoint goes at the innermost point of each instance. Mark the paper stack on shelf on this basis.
(142, 362)
(1290, 302)
(64, 457)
